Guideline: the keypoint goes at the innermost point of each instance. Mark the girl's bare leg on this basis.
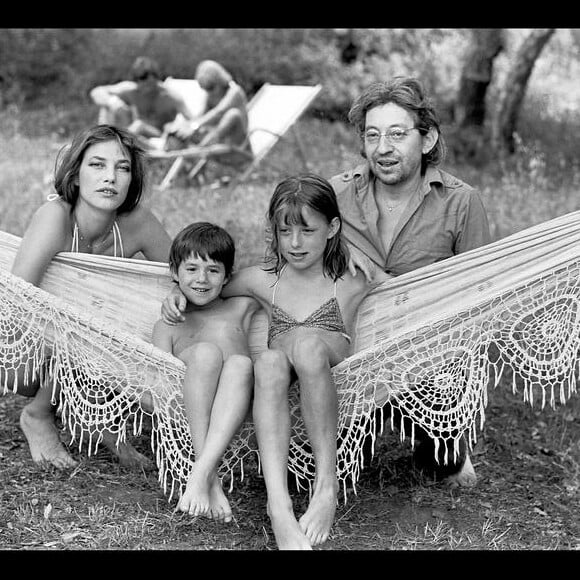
(272, 422)
(319, 406)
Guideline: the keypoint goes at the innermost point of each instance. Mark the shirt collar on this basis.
(362, 176)
(432, 175)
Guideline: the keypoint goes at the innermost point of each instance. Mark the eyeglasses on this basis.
(393, 136)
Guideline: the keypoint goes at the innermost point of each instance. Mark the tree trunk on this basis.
(469, 110)
(511, 93)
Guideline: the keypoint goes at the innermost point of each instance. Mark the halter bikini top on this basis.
(117, 241)
(326, 317)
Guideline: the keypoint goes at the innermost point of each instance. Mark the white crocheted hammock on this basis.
(429, 342)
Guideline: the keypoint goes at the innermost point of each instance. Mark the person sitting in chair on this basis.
(144, 106)
(225, 119)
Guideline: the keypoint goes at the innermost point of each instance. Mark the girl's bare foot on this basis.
(44, 441)
(319, 516)
(196, 498)
(220, 509)
(286, 530)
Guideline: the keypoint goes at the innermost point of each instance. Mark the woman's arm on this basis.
(45, 237)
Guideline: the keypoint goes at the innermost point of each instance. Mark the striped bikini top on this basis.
(326, 317)
(117, 241)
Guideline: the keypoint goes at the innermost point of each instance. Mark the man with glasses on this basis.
(144, 105)
(400, 212)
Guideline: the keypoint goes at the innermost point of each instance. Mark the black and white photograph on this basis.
(290, 289)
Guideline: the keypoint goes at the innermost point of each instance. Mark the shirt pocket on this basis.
(429, 249)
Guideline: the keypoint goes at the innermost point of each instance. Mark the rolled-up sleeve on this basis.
(474, 230)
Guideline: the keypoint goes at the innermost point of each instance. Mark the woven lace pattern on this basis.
(429, 343)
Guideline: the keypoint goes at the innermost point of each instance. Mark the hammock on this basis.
(428, 342)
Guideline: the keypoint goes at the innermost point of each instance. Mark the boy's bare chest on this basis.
(223, 327)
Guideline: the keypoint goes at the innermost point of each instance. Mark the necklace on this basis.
(392, 207)
(93, 244)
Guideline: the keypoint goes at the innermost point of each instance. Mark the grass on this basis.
(528, 459)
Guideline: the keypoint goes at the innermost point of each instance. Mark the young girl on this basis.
(311, 299)
(99, 183)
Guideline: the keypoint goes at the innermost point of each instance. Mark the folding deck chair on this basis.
(272, 111)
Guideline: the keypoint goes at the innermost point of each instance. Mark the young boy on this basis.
(213, 344)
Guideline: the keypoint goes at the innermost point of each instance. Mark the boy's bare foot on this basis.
(287, 531)
(126, 454)
(196, 498)
(220, 509)
(319, 516)
(44, 441)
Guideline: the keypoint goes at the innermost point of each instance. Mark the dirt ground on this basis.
(527, 496)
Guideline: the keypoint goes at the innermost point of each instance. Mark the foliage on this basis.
(38, 63)
(67, 63)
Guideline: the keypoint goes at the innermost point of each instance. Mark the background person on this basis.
(143, 105)
(225, 119)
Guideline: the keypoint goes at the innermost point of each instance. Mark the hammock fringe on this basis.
(427, 353)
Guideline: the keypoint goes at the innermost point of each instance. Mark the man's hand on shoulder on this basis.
(359, 261)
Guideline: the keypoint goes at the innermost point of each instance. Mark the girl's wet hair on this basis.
(205, 240)
(289, 199)
(70, 158)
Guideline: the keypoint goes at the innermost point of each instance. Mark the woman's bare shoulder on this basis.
(136, 216)
(52, 215)
(55, 208)
(138, 221)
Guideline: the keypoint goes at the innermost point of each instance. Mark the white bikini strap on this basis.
(116, 240)
(117, 234)
(276, 284)
(75, 239)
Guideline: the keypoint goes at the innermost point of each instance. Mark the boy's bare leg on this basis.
(319, 406)
(203, 368)
(230, 407)
(272, 422)
(37, 424)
